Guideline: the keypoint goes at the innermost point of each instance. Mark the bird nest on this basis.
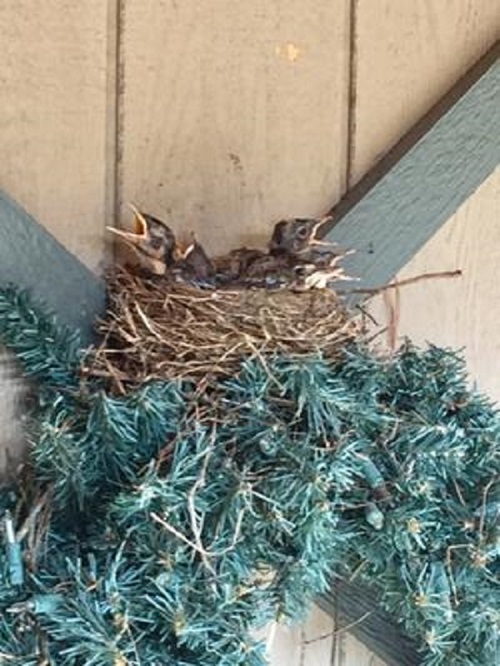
(168, 330)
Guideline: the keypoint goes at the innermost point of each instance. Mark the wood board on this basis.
(54, 131)
(233, 114)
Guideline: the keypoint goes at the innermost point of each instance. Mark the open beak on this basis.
(318, 225)
(140, 234)
(185, 247)
(138, 240)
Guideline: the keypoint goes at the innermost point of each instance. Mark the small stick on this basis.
(342, 630)
(482, 518)
(262, 360)
(31, 518)
(178, 534)
(367, 314)
(393, 312)
(196, 527)
(403, 283)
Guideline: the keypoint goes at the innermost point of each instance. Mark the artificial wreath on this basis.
(218, 458)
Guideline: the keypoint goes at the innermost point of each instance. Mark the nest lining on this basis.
(159, 329)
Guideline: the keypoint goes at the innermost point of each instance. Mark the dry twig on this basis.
(156, 329)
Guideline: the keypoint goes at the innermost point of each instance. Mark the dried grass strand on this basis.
(156, 329)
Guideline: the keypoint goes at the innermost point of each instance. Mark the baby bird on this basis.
(152, 240)
(236, 263)
(315, 262)
(193, 263)
(295, 236)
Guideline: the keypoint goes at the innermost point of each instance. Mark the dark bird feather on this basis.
(194, 264)
(236, 263)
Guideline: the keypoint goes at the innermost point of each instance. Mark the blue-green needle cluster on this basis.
(178, 520)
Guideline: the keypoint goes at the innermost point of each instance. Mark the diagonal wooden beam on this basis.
(401, 203)
(32, 259)
(355, 607)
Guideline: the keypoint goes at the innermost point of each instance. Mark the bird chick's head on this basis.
(152, 241)
(294, 236)
(192, 260)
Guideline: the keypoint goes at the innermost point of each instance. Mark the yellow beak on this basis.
(140, 233)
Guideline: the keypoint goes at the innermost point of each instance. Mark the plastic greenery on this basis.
(164, 527)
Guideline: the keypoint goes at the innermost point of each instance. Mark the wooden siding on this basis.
(53, 115)
(234, 113)
(228, 115)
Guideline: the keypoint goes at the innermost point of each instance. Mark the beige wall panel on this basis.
(408, 53)
(308, 645)
(233, 113)
(316, 644)
(53, 78)
(351, 652)
(460, 312)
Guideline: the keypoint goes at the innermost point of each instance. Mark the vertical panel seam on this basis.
(120, 94)
(114, 95)
(110, 113)
(302, 656)
(333, 654)
(352, 91)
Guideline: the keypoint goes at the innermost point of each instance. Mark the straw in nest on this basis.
(166, 330)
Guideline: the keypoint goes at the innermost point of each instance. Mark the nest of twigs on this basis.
(159, 329)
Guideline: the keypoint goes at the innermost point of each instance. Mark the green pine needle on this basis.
(181, 523)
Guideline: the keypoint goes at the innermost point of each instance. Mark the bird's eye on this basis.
(302, 232)
(156, 242)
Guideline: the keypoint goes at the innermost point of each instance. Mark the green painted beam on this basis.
(392, 212)
(32, 259)
(355, 607)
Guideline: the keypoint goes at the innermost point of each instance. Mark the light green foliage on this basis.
(181, 521)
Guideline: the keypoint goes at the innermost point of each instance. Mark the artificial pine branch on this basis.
(48, 352)
(183, 520)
